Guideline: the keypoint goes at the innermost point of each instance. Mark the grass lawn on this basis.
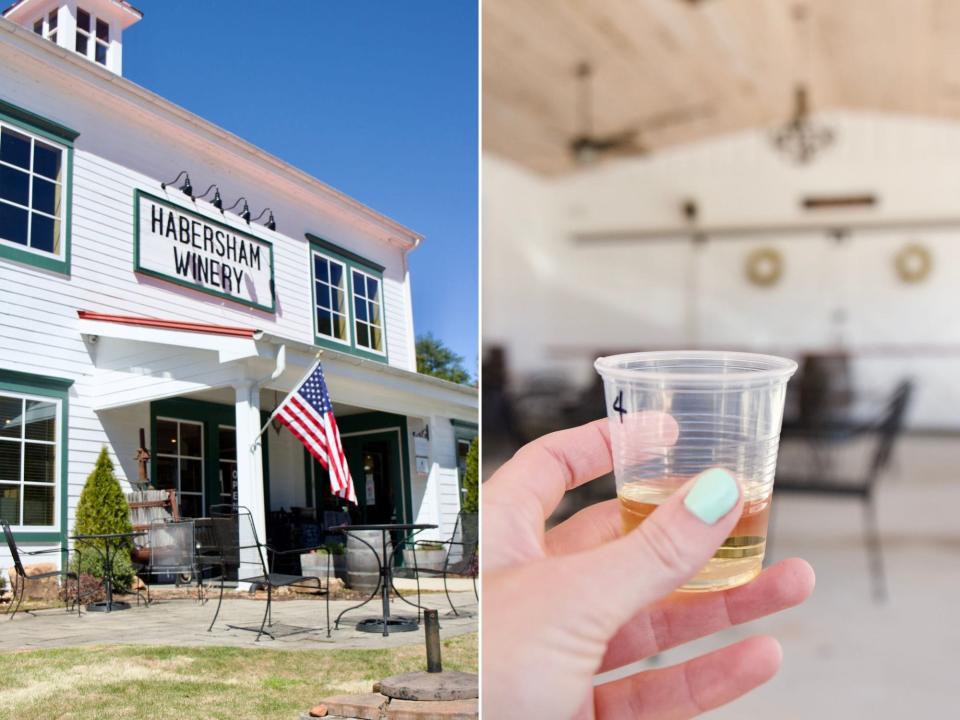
(121, 682)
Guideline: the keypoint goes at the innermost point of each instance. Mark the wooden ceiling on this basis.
(684, 70)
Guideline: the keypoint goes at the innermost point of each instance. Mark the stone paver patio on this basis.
(184, 622)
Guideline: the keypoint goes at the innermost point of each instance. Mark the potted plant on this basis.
(429, 555)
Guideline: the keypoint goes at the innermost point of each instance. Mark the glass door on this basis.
(227, 437)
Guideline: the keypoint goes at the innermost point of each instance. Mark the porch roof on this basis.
(144, 359)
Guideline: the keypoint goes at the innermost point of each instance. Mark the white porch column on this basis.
(250, 466)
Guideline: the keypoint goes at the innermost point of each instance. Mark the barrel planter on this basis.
(363, 571)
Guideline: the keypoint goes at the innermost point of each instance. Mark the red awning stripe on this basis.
(169, 324)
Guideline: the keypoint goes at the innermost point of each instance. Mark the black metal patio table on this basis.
(111, 542)
(385, 580)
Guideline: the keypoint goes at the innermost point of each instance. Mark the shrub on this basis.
(91, 590)
(471, 478)
(103, 509)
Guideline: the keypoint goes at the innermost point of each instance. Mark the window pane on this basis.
(41, 420)
(10, 460)
(14, 185)
(38, 27)
(10, 504)
(375, 313)
(46, 160)
(376, 339)
(324, 322)
(191, 441)
(228, 444)
(13, 223)
(15, 148)
(83, 20)
(44, 233)
(360, 308)
(336, 275)
(363, 335)
(323, 295)
(337, 300)
(340, 326)
(359, 286)
(373, 287)
(45, 197)
(38, 505)
(320, 269)
(166, 473)
(191, 506)
(103, 30)
(52, 19)
(81, 46)
(191, 475)
(100, 53)
(38, 463)
(166, 436)
(10, 411)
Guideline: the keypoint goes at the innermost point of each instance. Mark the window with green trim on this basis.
(348, 300)
(368, 309)
(32, 192)
(29, 459)
(330, 296)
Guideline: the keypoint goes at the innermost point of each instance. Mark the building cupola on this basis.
(91, 28)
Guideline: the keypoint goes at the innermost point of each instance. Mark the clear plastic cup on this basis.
(675, 414)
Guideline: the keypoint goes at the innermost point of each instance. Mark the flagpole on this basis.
(296, 387)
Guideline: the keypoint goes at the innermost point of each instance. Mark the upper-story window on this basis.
(348, 300)
(330, 293)
(31, 191)
(47, 26)
(368, 311)
(89, 43)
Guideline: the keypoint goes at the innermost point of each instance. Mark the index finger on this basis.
(563, 460)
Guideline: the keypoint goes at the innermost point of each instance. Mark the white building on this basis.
(129, 305)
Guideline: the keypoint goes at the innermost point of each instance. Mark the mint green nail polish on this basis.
(713, 495)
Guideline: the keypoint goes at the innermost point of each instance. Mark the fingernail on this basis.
(713, 495)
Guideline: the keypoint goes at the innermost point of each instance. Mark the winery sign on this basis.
(182, 246)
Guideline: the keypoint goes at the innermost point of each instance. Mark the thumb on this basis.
(667, 549)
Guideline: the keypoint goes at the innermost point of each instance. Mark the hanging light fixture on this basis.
(800, 138)
(186, 188)
(217, 201)
(245, 213)
(270, 223)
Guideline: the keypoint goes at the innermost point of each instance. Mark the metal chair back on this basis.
(889, 427)
(12, 547)
(172, 547)
(244, 534)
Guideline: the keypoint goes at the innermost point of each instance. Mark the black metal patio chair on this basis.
(460, 559)
(823, 440)
(226, 539)
(21, 580)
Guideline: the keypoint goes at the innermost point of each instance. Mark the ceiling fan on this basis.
(587, 147)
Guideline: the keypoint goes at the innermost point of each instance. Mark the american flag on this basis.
(309, 415)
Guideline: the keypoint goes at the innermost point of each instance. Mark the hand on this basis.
(561, 606)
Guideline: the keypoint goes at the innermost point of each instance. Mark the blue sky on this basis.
(376, 98)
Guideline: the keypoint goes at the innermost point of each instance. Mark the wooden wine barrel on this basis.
(363, 571)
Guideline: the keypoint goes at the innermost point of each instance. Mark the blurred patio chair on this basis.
(21, 580)
(460, 559)
(822, 478)
(232, 535)
(172, 551)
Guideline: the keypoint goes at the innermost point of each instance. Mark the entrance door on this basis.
(377, 495)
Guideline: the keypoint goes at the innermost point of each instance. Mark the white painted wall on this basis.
(554, 303)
